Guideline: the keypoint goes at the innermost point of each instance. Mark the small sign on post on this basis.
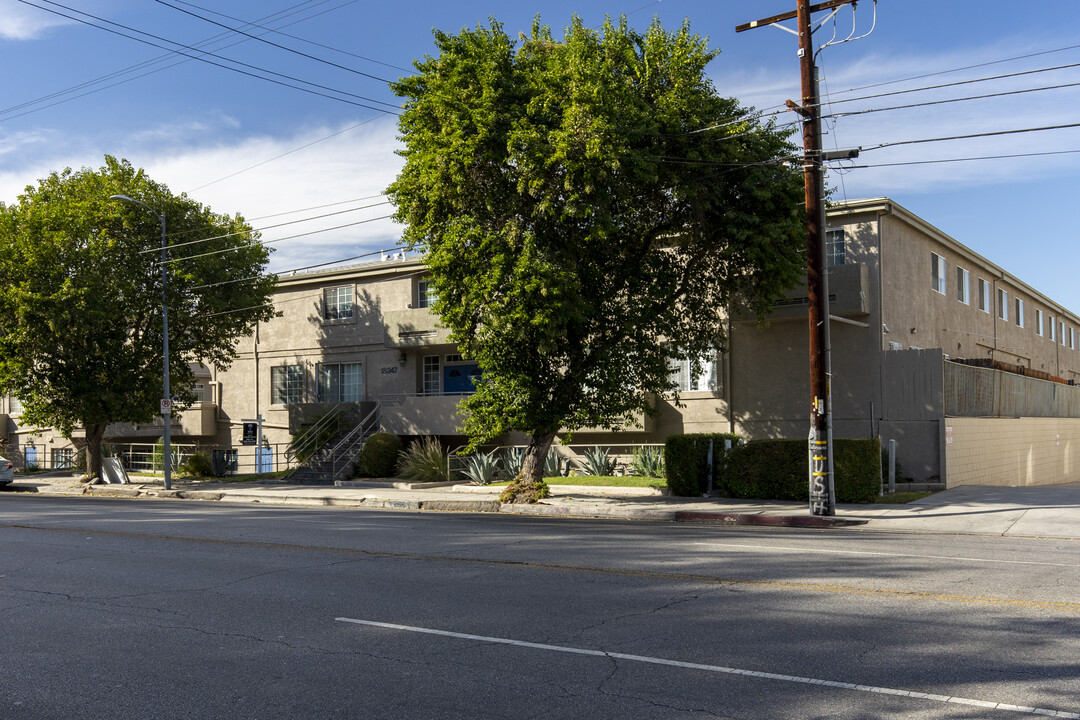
(166, 406)
(251, 434)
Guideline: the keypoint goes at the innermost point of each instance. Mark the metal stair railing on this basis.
(307, 444)
(341, 455)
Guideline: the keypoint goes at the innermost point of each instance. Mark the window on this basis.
(1019, 312)
(1003, 304)
(834, 247)
(1053, 328)
(337, 303)
(1038, 322)
(432, 375)
(14, 405)
(63, 458)
(425, 294)
(1072, 339)
(963, 285)
(286, 385)
(937, 272)
(984, 295)
(340, 382)
(682, 374)
(1061, 329)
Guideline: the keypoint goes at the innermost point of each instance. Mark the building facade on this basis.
(364, 336)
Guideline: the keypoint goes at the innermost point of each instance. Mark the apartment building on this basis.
(905, 300)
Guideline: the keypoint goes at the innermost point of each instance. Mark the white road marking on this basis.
(719, 545)
(720, 669)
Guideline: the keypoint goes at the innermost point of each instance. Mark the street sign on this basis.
(166, 406)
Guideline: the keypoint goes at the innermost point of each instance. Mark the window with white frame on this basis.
(1061, 331)
(425, 293)
(984, 295)
(15, 407)
(834, 247)
(963, 285)
(1003, 304)
(63, 458)
(340, 382)
(432, 375)
(1072, 338)
(1038, 322)
(286, 385)
(685, 379)
(338, 303)
(1053, 329)
(937, 273)
(1019, 312)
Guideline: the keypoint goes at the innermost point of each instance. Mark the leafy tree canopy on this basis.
(81, 296)
(590, 208)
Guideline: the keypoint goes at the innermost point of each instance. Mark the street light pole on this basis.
(166, 404)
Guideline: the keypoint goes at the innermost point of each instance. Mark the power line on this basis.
(272, 44)
(973, 135)
(963, 159)
(952, 100)
(201, 57)
(268, 227)
(275, 240)
(288, 152)
(297, 37)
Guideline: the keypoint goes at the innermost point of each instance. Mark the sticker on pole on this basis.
(166, 406)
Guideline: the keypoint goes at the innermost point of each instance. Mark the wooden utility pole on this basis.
(822, 487)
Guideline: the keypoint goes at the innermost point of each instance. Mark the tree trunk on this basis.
(94, 433)
(529, 486)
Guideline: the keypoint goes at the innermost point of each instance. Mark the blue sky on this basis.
(73, 93)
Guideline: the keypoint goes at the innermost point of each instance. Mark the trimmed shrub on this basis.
(379, 456)
(686, 462)
(778, 470)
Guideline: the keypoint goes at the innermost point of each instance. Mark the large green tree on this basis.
(81, 297)
(590, 209)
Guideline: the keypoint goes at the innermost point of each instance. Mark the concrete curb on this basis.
(812, 521)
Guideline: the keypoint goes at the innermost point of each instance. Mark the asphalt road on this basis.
(172, 609)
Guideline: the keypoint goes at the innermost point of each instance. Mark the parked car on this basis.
(7, 471)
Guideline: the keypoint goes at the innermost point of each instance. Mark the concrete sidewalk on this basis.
(1049, 511)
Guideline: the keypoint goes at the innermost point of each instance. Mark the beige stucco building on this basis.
(907, 301)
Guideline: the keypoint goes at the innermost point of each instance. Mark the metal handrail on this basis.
(355, 436)
(309, 438)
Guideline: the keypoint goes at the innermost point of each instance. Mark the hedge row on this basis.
(770, 469)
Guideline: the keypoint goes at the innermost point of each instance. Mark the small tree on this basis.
(590, 208)
(81, 296)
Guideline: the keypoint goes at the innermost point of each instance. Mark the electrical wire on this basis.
(965, 159)
(293, 10)
(272, 44)
(953, 100)
(972, 135)
(297, 37)
(201, 57)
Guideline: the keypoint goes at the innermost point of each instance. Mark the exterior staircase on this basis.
(329, 447)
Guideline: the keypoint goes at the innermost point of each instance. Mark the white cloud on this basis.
(23, 22)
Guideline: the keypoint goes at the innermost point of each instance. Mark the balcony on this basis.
(421, 414)
(413, 327)
(849, 295)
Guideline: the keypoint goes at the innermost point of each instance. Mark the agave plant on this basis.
(597, 462)
(511, 463)
(555, 465)
(647, 462)
(481, 468)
